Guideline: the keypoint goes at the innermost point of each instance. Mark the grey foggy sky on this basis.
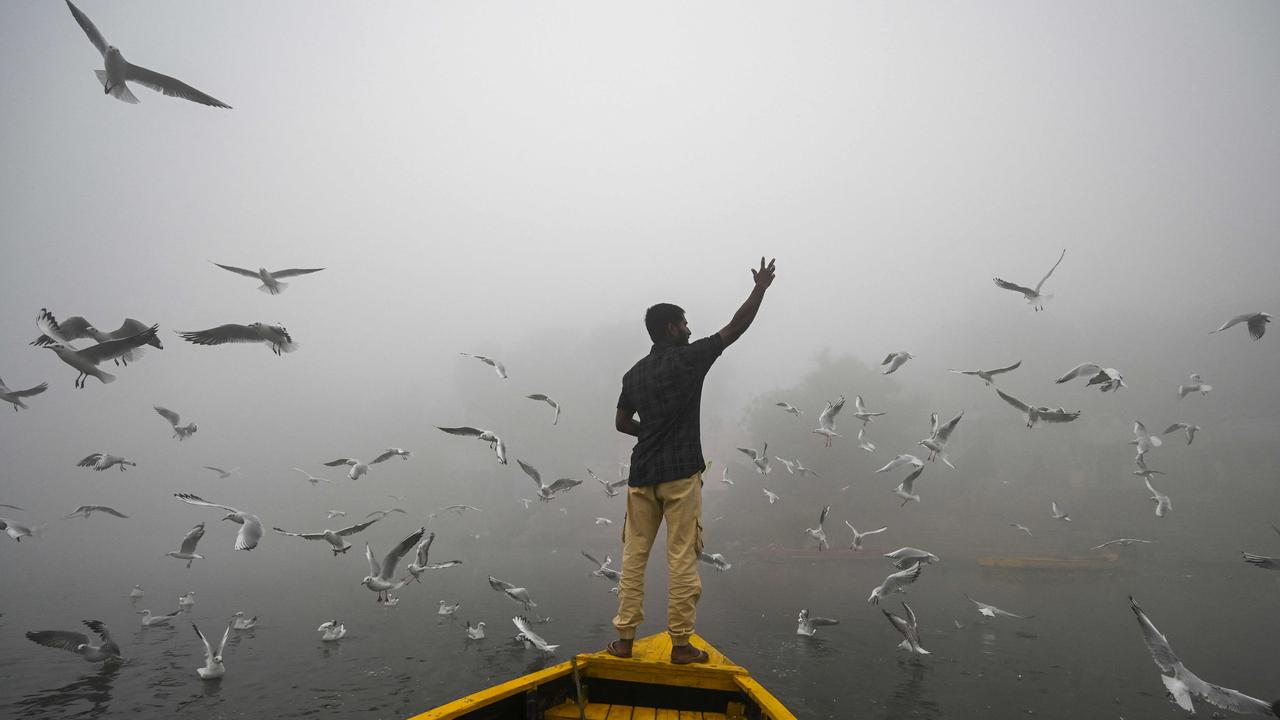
(478, 175)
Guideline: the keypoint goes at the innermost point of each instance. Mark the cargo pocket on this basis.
(697, 540)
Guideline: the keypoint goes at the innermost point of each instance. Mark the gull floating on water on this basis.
(101, 461)
(895, 360)
(936, 443)
(78, 642)
(497, 366)
(188, 549)
(1182, 684)
(14, 397)
(188, 600)
(333, 537)
(905, 557)
(771, 495)
(1056, 513)
(85, 511)
(250, 526)
(818, 533)
(332, 631)
(895, 582)
(447, 609)
(379, 578)
(271, 284)
(988, 376)
(149, 620)
(543, 398)
(1122, 541)
(1196, 385)
(1037, 413)
(495, 442)
(992, 611)
(858, 536)
(118, 71)
(808, 626)
(547, 492)
(788, 407)
(1261, 561)
(715, 560)
(1163, 504)
(1032, 295)
(827, 420)
(182, 432)
(1105, 378)
(423, 549)
(213, 668)
(528, 635)
(1188, 428)
(240, 622)
(86, 361)
(910, 629)
(475, 632)
(759, 458)
(136, 592)
(1256, 322)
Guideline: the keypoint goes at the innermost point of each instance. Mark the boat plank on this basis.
(770, 708)
(619, 712)
(460, 707)
(665, 714)
(644, 713)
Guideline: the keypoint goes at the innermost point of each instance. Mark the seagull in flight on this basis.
(788, 407)
(1037, 413)
(77, 328)
(543, 398)
(14, 397)
(1122, 541)
(358, 467)
(895, 360)
(1188, 428)
(78, 642)
(102, 461)
(547, 492)
(1105, 378)
(182, 432)
(380, 574)
(16, 531)
(808, 625)
(611, 488)
(906, 488)
(818, 533)
(858, 536)
(333, 537)
(497, 366)
(271, 284)
(771, 495)
(1256, 322)
(118, 71)
(85, 511)
(992, 611)
(715, 560)
(1021, 527)
(390, 453)
(827, 420)
(422, 550)
(1144, 440)
(905, 557)
(517, 594)
(861, 412)
(274, 336)
(863, 442)
(223, 474)
(936, 443)
(602, 568)
(724, 476)
(528, 635)
(1033, 295)
(314, 480)
(1196, 385)
(250, 526)
(760, 458)
(1183, 684)
(988, 376)
(902, 460)
(188, 549)
(1057, 513)
(1163, 504)
(910, 629)
(495, 442)
(86, 361)
(895, 582)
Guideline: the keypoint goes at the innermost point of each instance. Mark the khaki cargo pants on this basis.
(680, 503)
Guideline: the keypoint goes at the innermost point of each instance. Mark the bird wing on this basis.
(375, 570)
(423, 549)
(524, 627)
(304, 535)
(190, 499)
(192, 537)
(61, 639)
(386, 455)
(1005, 369)
(873, 532)
(89, 28)
(1157, 644)
(294, 272)
(109, 511)
(1084, 368)
(231, 332)
(531, 471)
(828, 417)
(30, 391)
(1233, 322)
(945, 431)
(1013, 400)
(588, 556)
(250, 533)
(910, 482)
(115, 348)
(902, 577)
(464, 431)
(822, 517)
(170, 86)
(1058, 415)
(563, 485)
(90, 460)
(888, 358)
(393, 556)
(237, 270)
(538, 396)
(47, 324)
(208, 649)
(225, 633)
(169, 415)
(1055, 267)
(750, 452)
(340, 461)
(898, 623)
(353, 529)
(1006, 285)
(127, 328)
(500, 585)
(1257, 325)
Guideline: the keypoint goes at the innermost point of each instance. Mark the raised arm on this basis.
(747, 313)
(625, 422)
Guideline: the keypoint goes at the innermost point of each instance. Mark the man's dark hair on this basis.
(658, 317)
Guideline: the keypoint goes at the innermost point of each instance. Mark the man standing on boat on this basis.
(665, 389)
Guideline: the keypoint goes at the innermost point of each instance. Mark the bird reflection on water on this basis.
(93, 689)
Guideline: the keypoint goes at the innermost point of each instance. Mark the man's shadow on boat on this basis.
(94, 689)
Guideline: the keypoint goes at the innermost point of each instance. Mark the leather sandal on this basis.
(619, 648)
(686, 654)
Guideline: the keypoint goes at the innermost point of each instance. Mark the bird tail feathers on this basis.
(119, 92)
(105, 376)
(279, 288)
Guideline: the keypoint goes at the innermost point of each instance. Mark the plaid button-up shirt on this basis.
(665, 389)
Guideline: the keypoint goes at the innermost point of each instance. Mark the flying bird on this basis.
(250, 526)
(497, 366)
(906, 488)
(379, 578)
(827, 420)
(77, 328)
(759, 458)
(188, 549)
(14, 397)
(910, 629)
(213, 668)
(1037, 413)
(1196, 385)
(895, 582)
(902, 460)
(517, 594)
(905, 557)
(1021, 527)
(358, 467)
(1163, 504)
(543, 398)
(315, 480)
(863, 442)
(602, 568)
(992, 611)
(818, 533)
(17, 531)
(1033, 295)
(547, 492)
(1058, 514)
(1122, 541)
(936, 443)
(861, 412)
(1105, 378)
(788, 407)
(85, 511)
(182, 432)
(274, 336)
(771, 495)
(495, 442)
(1256, 322)
(101, 461)
(390, 453)
(222, 474)
(1183, 684)
(333, 537)
(78, 642)
(988, 376)
(858, 536)
(271, 284)
(895, 360)
(611, 488)
(1144, 441)
(1187, 428)
(808, 625)
(416, 569)
(715, 560)
(117, 71)
(528, 635)
(86, 361)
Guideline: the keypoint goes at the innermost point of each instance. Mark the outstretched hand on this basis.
(764, 276)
